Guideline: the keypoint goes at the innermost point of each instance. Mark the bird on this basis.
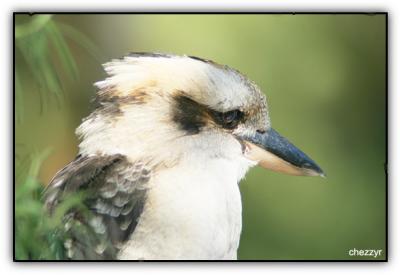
(160, 160)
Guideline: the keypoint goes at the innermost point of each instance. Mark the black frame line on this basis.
(216, 12)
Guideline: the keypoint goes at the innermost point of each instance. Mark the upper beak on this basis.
(274, 152)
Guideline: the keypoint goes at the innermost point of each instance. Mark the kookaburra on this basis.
(160, 160)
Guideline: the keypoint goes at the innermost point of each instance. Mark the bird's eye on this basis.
(231, 119)
(230, 116)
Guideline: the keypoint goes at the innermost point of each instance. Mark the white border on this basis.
(7, 266)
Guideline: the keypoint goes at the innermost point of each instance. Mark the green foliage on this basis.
(46, 54)
(45, 60)
(36, 236)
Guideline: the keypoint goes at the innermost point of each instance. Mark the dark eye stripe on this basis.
(191, 116)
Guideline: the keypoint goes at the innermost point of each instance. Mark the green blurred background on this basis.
(324, 77)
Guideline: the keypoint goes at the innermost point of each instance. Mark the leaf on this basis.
(37, 161)
(62, 49)
(75, 201)
(81, 39)
(41, 43)
(35, 25)
(30, 183)
(31, 48)
(29, 208)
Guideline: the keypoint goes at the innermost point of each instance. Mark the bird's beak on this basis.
(274, 152)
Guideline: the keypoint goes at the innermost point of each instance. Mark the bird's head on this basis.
(168, 108)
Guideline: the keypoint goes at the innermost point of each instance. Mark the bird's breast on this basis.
(191, 212)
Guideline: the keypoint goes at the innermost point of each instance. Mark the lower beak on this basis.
(274, 152)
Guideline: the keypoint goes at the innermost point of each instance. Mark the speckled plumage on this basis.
(113, 189)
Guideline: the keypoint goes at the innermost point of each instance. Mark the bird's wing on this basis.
(113, 191)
